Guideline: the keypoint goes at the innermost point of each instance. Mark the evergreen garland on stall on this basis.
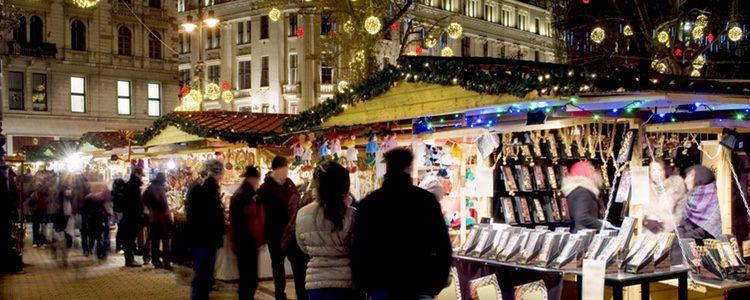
(87, 138)
(191, 127)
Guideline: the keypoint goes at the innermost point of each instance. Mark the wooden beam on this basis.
(702, 126)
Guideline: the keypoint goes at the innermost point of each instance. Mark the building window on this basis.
(293, 108)
(263, 27)
(36, 27)
(537, 26)
(78, 35)
(292, 68)
(470, 7)
(326, 73)
(180, 5)
(154, 99)
(184, 77)
(123, 97)
(486, 49)
(506, 17)
(243, 37)
(19, 33)
(447, 5)
(537, 57)
(15, 90)
(264, 71)
(39, 95)
(154, 45)
(213, 38)
(466, 46)
(124, 39)
(293, 25)
(264, 108)
(184, 43)
(523, 21)
(78, 94)
(248, 33)
(214, 73)
(244, 74)
(325, 25)
(154, 3)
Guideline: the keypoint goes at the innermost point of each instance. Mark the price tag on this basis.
(593, 279)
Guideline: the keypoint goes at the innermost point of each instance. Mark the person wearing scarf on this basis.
(702, 214)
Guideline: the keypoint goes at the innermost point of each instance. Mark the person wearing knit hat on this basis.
(247, 218)
(205, 226)
(581, 187)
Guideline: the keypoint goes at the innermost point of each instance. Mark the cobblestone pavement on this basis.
(89, 278)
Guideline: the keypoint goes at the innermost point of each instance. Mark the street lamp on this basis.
(190, 26)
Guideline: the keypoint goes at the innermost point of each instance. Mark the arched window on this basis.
(78, 35)
(154, 45)
(37, 30)
(124, 41)
(19, 34)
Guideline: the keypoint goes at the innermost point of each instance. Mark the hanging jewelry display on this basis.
(581, 140)
(565, 141)
(536, 137)
(505, 151)
(551, 145)
(659, 145)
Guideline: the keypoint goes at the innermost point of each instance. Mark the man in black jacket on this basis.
(246, 218)
(132, 216)
(205, 225)
(391, 261)
(280, 200)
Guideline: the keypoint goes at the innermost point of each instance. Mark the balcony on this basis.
(292, 88)
(326, 88)
(43, 50)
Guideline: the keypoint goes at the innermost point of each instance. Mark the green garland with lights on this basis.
(88, 139)
(45, 152)
(516, 80)
(191, 127)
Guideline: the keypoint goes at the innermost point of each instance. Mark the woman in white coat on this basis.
(324, 231)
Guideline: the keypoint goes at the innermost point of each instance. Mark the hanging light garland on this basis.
(627, 31)
(372, 25)
(213, 91)
(454, 30)
(446, 52)
(735, 33)
(274, 14)
(597, 35)
(662, 37)
(85, 3)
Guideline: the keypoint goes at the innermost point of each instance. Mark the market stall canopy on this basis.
(231, 127)
(50, 151)
(108, 140)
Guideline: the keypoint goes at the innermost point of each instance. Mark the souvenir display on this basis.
(540, 185)
(633, 250)
(690, 251)
(600, 241)
(623, 191)
(525, 178)
(511, 248)
(551, 178)
(526, 152)
(484, 242)
(605, 176)
(536, 138)
(563, 173)
(564, 212)
(510, 181)
(642, 262)
(485, 287)
(524, 214)
(534, 290)
(566, 143)
(538, 211)
(569, 254)
(531, 249)
(551, 143)
(719, 259)
(508, 211)
(503, 242)
(471, 240)
(549, 249)
(553, 212)
(626, 232)
(662, 258)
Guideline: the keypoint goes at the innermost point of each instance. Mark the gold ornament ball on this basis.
(372, 25)
(597, 35)
(85, 3)
(695, 73)
(627, 31)
(662, 37)
(446, 52)
(701, 21)
(430, 42)
(227, 96)
(699, 62)
(661, 68)
(274, 14)
(348, 26)
(196, 95)
(454, 30)
(697, 32)
(343, 86)
(213, 91)
(735, 33)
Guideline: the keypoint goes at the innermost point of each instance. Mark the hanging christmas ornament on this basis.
(699, 62)
(710, 38)
(343, 86)
(446, 52)
(597, 35)
(701, 21)
(678, 52)
(735, 33)
(300, 31)
(586, 1)
(661, 68)
(418, 51)
(213, 91)
(697, 32)
(372, 25)
(349, 26)
(85, 3)
(225, 85)
(454, 30)
(430, 41)
(394, 25)
(695, 73)
(627, 31)
(184, 90)
(274, 14)
(196, 95)
(662, 37)
(227, 96)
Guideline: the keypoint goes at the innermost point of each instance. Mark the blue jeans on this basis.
(391, 295)
(204, 261)
(333, 294)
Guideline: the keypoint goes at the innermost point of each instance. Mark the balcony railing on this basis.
(35, 50)
(326, 88)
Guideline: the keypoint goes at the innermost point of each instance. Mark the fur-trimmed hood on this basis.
(570, 183)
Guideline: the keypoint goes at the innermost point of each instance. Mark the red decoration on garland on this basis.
(225, 85)
(394, 25)
(419, 50)
(586, 1)
(678, 52)
(710, 38)
(300, 32)
(184, 90)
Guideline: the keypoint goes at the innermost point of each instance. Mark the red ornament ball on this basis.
(184, 90)
(225, 85)
(586, 1)
(678, 52)
(300, 32)
(710, 38)
(418, 50)
(394, 25)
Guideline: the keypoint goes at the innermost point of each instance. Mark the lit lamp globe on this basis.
(196, 95)
(348, 26)
(446, 52)
(697, 32)
(372, 25)
(454, 30)
(663, 37)
(213, 91)
(597, 35)
(735, 33)
(661, 68)
(274, 14)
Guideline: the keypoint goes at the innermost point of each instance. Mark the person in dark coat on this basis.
(702, 213)
(39, 205)
(247, 219)
(389, 262)
(132, 217)
(118, 196)
(96, 216)
(581, 188)
(205, 225)
(280, 200)
(160, 221)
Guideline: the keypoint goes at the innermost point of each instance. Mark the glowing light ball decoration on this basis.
(735, 33)
(446, 52)
(627, 31)
(697, 32)
(274, 14)
(343, 86)
(597, 35)
(430, 41)
(661, 68)
(300, 31)
(699, 62)
(695, 73)
(196, 95)
(213, 91)
(394, 25)
(372, 25)
(349, 26)
(418, 51)
(586, 1)
(701, 21)
(227, 96)
(710, 38)
(662, 37)
(85, 3)
(678, 52)
(454, 30)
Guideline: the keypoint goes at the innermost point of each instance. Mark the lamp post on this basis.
(189, 26)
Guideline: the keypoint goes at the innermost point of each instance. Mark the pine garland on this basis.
(191, 127)
(87, 138)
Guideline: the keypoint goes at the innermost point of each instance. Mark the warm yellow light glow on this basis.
(372, 25)
(735, 33)
(627, 31)
(454, 30)
(430, 41)
(274, 14)
(447, 52)
(663, 37)
(85, 3)
(597, 35)
(211, 21)
(699, 62)
(213, 91)
(343, 86)
(227, 96)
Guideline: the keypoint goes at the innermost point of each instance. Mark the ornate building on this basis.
(271, 66)
(68, 70)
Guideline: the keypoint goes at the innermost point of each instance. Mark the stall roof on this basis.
(108, 139)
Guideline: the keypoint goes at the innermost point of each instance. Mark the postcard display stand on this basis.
(718, 259)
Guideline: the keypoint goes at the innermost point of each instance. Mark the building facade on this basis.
(68, 70)
(271, 65)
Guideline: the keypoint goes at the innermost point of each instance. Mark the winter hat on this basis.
(214, 167)
(251, 171)
(583, 169)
